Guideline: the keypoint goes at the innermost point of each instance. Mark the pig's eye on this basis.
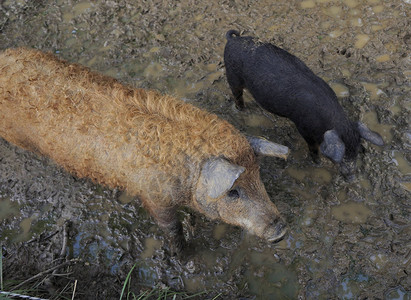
(233, 194)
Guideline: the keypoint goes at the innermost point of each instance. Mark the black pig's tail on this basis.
(230, 34)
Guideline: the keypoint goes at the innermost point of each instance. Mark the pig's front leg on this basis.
(166, 218)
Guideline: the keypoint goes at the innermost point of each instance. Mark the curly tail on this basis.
(230, 34)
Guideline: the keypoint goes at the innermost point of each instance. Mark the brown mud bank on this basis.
(347, 240)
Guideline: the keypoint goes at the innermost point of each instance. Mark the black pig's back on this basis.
(282, 84)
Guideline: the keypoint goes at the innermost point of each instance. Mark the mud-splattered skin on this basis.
(156, 147)
(284, 85)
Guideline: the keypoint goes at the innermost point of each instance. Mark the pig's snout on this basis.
(275, 231)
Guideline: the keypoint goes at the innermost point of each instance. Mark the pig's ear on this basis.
(218, 176)
(369, 135)
(263, 147)
(332, 146)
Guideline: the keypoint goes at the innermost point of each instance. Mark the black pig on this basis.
(282, 84)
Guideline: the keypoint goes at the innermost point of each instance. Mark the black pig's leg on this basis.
(313, 147)
(237, 87)
(166, 218)
(238, 97)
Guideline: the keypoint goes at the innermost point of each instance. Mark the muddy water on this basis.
(347, 240)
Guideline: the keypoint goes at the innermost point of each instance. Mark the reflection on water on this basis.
(379, 260)
(150, 245)
(7, 208)
(351, 212)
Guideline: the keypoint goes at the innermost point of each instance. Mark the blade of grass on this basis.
(142, 295)
(218, 296)
(147, 296)
(199, 294)
(127, 281)
(1, 267)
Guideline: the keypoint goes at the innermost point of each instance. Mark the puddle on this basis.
(361, 40)
(340, 90)
(378, 9)
(319, 175)
(373, 90)
(335, 34)
(379, 260)
(383, 58)
(356, 22)
(403, 165)
(125, 198)
(351, 3)
(153, 70)
(7, 208)
(307, 4)
(253, 120)
(351, 212)
(333, 11)
(310, 215)
(370, 118)
(150, 246)
(219, 231)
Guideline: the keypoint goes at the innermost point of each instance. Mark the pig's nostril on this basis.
(274, 222)
(280, 231)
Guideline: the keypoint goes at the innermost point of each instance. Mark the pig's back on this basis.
(285, 81)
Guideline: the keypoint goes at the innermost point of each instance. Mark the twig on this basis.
(64, 246)
(1, 267)
(65, 238)
(20, 296)
(74, 291)
(4, 24)
(44, 273)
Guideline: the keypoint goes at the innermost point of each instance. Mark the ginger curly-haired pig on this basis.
(158, 148)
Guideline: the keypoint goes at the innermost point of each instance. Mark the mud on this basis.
(347, 240)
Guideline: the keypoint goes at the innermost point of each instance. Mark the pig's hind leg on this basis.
(313, 148)
(237, 87)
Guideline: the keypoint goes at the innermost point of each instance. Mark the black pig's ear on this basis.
(369, 135)
(332, 146)
(263, 147)
(218, 176)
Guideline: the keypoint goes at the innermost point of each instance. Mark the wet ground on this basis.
(347, 240)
